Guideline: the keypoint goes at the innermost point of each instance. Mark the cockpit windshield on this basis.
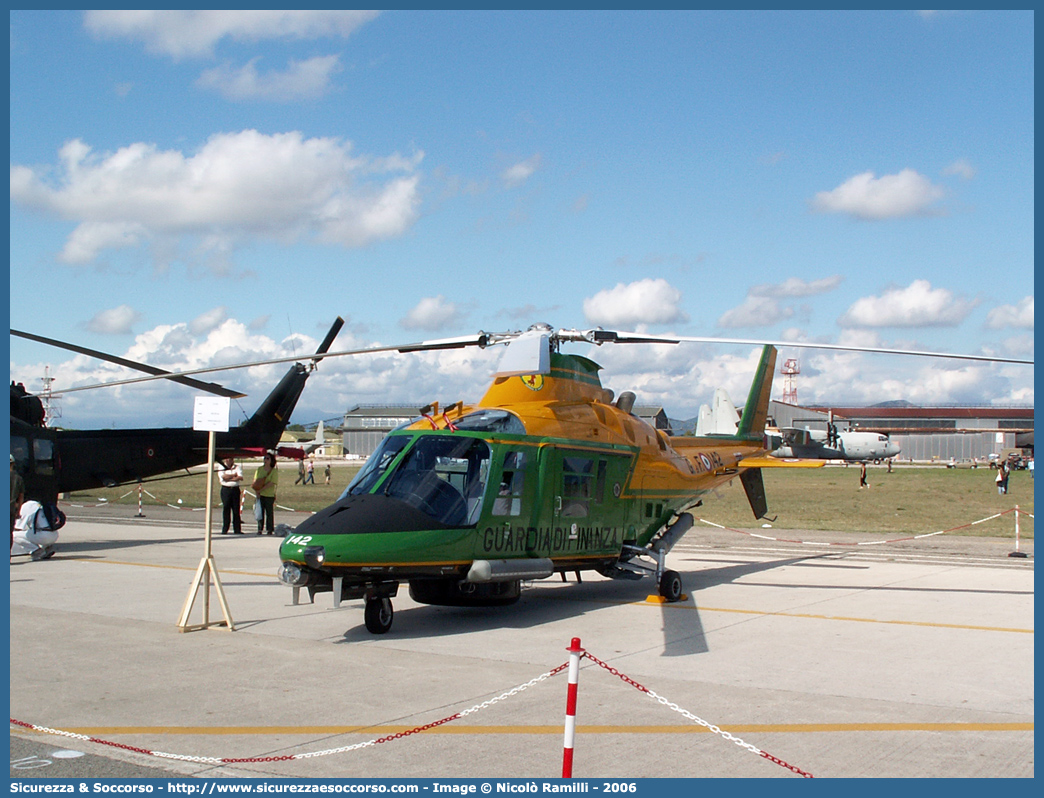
(444, 476)
(376, 464)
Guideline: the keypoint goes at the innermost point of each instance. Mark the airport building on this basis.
(366, 425)
(924, 433)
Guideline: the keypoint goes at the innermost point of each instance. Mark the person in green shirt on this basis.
(266, 480)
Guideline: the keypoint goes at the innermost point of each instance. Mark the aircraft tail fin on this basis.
(272, 416)
(718, 418)
(755, 411)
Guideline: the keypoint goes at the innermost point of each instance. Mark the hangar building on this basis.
(924, 433)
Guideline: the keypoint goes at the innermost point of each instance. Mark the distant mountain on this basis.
(685, 427)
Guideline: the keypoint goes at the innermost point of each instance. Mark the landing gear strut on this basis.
(378, 614)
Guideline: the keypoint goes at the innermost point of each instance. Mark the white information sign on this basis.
(210, 413)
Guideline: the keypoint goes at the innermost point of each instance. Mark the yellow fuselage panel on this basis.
(572, 409)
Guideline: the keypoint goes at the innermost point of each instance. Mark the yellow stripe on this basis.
(380, 731)
(654, 600)
(853, 620)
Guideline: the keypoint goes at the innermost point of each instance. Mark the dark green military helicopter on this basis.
(53, 461)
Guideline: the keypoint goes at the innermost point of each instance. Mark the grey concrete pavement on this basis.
(904, 660)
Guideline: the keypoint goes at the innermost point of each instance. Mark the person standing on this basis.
(326, 472)
(310, 473)
(230, 476)
(266, 480)
(862, 476)
(999, 479)
(300, 472)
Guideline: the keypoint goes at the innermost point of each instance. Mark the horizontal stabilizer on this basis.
(775, 462)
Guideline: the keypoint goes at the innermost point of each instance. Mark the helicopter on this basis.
(54, 461)
(545, 474)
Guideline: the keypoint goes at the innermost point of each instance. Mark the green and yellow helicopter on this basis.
(545, 474)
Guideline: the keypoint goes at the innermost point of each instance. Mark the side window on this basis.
(20, 450)
(43, 455)
(512, 483)
(577, 486)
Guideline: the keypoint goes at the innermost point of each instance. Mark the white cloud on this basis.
(183, 34)
(432, 314)
(795, 287)
(301, 80)
(678, 378)
(962, 168)
(281, 186)
(206, 322)
(520, 172)
(649, 301)
(756, 311)
(115, 321)
(1020, 315)
(917, 305)
(887, 197)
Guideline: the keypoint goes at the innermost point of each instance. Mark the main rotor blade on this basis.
(603, 336)
(324, 347)
(480, 340)
(158, 373)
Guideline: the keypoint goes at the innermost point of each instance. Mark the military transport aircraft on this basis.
(831, 444)
(721, 418)
(54, 461)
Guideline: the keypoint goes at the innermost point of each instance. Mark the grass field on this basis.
(910, 500)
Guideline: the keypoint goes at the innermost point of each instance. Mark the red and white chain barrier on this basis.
(576, 654)
(847, 543)
(242, 498)
(699, 721)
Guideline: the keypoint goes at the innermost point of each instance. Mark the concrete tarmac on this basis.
(912, 659)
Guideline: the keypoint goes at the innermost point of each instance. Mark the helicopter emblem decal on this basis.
(533, 381)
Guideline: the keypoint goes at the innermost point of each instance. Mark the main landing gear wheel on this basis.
(378, 615)
(671, 586)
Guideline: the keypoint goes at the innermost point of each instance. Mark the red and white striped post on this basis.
(140, 489)
(1017, 553)
(575, 652)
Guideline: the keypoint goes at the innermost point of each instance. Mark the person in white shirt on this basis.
(230, 475)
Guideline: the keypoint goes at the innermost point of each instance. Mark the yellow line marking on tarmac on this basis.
(652, 600)
(859, 620)
(168, 567)
(745, 728)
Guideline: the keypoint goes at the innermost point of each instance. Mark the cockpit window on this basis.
(443, 476)
(491, 421)
(376, 465)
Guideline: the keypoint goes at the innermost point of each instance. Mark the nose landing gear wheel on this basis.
(671, 586)
(378, 615)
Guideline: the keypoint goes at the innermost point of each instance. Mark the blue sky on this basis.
(195, 188)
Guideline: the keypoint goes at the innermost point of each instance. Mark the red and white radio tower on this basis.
(790, 370)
